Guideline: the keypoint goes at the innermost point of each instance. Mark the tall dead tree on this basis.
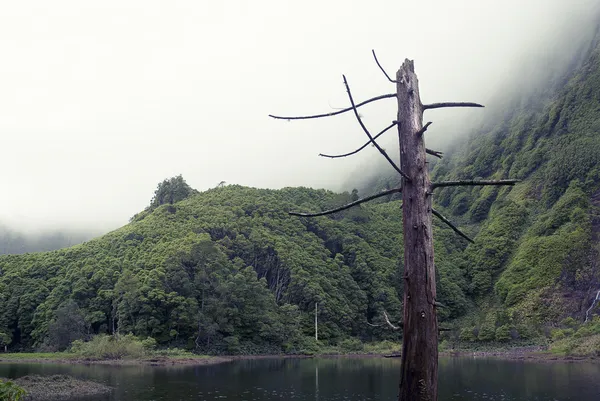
(418, 377)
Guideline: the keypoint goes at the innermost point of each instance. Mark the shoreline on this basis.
(151, 361)
(528, 354)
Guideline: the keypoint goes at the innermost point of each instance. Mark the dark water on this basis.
(333, 380)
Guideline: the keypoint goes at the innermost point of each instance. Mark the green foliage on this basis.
(577, 339)
(556, 246)
(227, 271)
(503, 333)
(351, 345)
(382, 347)
(536, 249)
(68, 326)
(468, 334)
(487, 332)
(104, 346)
(5, 339)
(494, 245)
(171, 191)
(9, 391)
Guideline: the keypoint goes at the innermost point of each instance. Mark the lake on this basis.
(323, 379)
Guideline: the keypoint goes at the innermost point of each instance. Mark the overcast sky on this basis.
(101, 100)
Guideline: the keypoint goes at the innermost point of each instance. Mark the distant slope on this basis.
(14, 242)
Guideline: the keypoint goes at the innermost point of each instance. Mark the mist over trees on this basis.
(13, 241)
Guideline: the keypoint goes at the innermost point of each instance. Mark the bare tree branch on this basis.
(335, 113)
(434, 153)
(472, 183)
(387, 320)
(362, 125)
(452, 226)
(450, 104)
(362, 147)
(382, 70)
(422, 130)
(349, 205)
(400, 325)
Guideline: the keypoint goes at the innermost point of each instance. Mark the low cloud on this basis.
(101, 101)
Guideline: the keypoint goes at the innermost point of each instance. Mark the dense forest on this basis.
(226, 270)
(229, 271)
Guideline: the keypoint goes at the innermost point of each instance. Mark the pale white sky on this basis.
(101, 100)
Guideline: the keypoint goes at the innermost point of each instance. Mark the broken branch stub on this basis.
(450, 104)
(472, 183)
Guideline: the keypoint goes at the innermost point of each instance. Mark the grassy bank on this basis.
(129, 350)
(71, 358)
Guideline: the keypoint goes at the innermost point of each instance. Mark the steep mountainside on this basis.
(536, 254)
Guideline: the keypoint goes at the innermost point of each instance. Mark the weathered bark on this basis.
(418, 377)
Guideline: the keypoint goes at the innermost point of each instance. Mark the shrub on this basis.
(149, 344)
(503, 333)
(9, 391)
(559, 334)
(351, 345)
(569, 322)
(468, 334)
(444, 346)
(104, 346)
(170, 352)
(487, 332)
(305, 345)
(232, 344)
(385, 346)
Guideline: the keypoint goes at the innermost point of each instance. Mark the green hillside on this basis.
(535, 261)
(226, 270)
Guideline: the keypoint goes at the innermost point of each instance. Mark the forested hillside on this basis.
(228, 270)
(536, 250)
(533, 271)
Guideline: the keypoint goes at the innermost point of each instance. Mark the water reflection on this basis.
(334, 379)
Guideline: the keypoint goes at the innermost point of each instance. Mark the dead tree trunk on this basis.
(418, 378)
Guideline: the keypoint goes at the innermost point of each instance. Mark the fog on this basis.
(100, 101)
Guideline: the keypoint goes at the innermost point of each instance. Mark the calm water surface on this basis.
(333, 380)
